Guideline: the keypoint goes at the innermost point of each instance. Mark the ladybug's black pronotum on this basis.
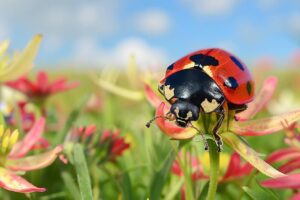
(204, 81)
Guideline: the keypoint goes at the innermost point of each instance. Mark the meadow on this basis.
(82, 135)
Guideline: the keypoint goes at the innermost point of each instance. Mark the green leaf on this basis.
(126, 187)
(260, 193)
(83, 176)
(175, 189)
(204, 192)
(71, 120)
(161, 175)
(71, 185)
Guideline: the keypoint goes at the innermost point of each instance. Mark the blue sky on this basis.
(104, 33)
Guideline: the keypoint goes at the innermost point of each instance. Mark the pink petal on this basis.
(42, 81)
(23, 85)
(295, 197)
(21, 148)
(267, 125)
(233, 166)
(261, 99)
(250, 155)
(290, 166)
(30, 163)
(171, 129)
(62, 85)
(283, 154)
(15, 183)
(291, 181)
(151, 96)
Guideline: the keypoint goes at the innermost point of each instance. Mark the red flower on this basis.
(41, 88)
(117, 143)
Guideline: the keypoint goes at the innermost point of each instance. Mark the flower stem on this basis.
(214, 170)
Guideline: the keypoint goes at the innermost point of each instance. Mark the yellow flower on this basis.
(20, 63)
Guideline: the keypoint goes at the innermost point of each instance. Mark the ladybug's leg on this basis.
(221, 115)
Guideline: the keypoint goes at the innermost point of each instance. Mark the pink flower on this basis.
(41, 88)
(13, 160)
(289, 157)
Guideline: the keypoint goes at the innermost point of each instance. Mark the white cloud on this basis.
(62, 20)
(267, 4)
(293, 24)
(211, 7)
(88, 52)
(154, 22)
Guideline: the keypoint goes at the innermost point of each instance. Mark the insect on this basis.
(203, 82)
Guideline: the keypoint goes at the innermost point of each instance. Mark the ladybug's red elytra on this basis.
(203, 81)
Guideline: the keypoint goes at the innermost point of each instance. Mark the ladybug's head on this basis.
(184, 112)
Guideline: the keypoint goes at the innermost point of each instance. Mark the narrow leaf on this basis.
(161, 175)
(71, 185)
(83, 176)
(126, 187)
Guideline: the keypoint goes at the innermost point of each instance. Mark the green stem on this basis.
(214, 170)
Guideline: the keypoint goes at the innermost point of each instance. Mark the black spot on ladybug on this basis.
(237, 62)
(203, 60)
(249, 88)
(170, 67)
(231, 83)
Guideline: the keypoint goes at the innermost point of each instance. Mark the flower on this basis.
(13, 160)
(21, 63)
(289, 157)
(117, 144)
(243, 125)
(41, 88)
(27, 115)
(111, 142)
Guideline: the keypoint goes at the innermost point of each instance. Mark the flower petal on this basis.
(15, 183)
(22, 63)
(21, 148)
(151, 96)
(250, 155)
(291, 181)
(233, 166)
(267, 125)
(283, 154)
(33, 162)
(290, 166)
(62, 85)
(171, 129)
(295, 197)
(42, 81)
(261, 99)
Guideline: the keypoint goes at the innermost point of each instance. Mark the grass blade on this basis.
(83, 176)
(71, 185)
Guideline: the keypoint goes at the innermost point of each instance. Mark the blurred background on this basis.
(105, 33)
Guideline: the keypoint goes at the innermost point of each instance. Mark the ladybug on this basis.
(203, 82)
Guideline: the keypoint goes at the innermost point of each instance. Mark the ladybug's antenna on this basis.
(152, 120)
(203, 137)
